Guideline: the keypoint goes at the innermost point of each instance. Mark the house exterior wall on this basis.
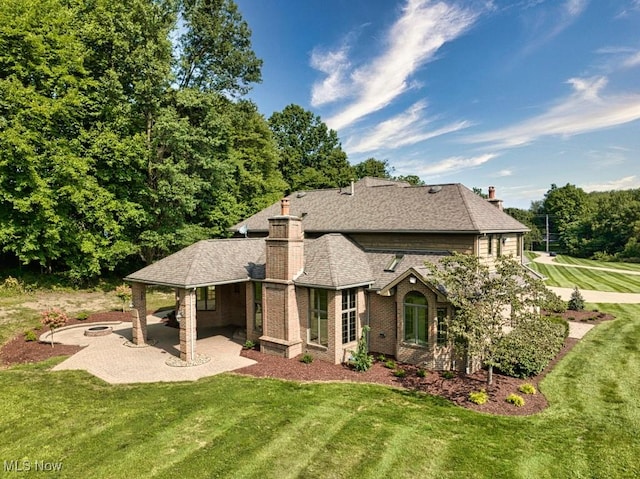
(501, 245)
(416, 241)
(230, 307)
(431, 355)
(382, 320)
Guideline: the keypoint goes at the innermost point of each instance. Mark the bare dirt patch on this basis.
(78, 301)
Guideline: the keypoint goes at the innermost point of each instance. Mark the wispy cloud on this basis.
(583, 111)
(503, 173)
(632, 60)
(550, 22)
(625, 183)
(407, 128)
(336, 65)
(452, 165)
(415, 38)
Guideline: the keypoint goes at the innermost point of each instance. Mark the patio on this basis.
(113, 359)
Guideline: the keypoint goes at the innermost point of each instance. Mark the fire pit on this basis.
(98, 331)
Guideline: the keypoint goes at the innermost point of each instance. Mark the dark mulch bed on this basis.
(456, 389)
(19, 351)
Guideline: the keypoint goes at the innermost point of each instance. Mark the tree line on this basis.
(598, 225)
(124, 134)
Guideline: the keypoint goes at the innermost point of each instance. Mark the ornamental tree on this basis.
(488, 301)
(54, 318)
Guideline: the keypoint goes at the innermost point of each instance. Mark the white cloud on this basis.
(628, 182)
(407, 128)
(503, 173)
(422, 29)
(335, 65)
(583, 111)
(632, 61)
(575, 7)
(453, 164)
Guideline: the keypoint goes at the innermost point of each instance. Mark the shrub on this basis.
(516, 400)
(479, 397)
(248, 344)
(399, 373)
(54, 318)
(83, 315)
(390, 364)
(123, 292)
(576, 302)
(527, 349)
(30, 336)
(382, 358)
(307, 358)
(362, 360)
(448, 374)
(421, 373)
(554, 303)
(527, 388)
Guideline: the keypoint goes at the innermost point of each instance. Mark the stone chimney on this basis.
(493, 200)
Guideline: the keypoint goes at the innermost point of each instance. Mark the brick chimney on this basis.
(284, 262)
(493, 200)
(284, 206)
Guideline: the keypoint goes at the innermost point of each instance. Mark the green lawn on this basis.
(584, 278)
(598, 264)
(232, 426)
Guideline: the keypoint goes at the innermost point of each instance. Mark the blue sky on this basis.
(514, 94)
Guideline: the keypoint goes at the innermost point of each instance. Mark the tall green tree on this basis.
(310, 153)
(372, 167)
(568, 206)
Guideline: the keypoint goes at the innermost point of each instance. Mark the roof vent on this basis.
(302, 194)
(435, 189)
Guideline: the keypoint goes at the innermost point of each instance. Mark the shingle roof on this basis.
(207, 262)
(379, 260)
(384, 205)
(333, 261)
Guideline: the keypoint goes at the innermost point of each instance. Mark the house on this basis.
(307, 274)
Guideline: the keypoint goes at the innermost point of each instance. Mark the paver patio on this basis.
(109, 358)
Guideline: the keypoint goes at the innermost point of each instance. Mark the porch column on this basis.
(139, 313)
(187, 310)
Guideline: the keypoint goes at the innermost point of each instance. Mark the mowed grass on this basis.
(597, 264)
(584, 278)
(234, 426)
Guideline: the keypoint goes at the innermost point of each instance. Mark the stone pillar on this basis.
(188, 334)
(139, 313)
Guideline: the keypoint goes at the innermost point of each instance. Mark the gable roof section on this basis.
(378, 261)
(333, 261)
(384, 205)
(207, 262)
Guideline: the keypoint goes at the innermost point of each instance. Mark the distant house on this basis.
(307, 274)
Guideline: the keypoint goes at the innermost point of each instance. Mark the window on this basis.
(318, 327)
(442, 338)
(206, 298)
(349, 315)
(499, 247)
(257, 306)
(415, 318)
(490, 248)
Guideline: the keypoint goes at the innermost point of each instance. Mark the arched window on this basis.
(415, 318)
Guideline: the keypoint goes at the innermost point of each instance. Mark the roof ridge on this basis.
(332, 273)
(197, 246)
(466, 205)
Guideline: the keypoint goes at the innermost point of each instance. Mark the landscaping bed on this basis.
(455, 389)
(18, 351)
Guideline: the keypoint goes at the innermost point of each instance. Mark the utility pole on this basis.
(546, 223)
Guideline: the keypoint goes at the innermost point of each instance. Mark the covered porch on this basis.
(210, 281)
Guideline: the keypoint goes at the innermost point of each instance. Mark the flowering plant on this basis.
(124, 293)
